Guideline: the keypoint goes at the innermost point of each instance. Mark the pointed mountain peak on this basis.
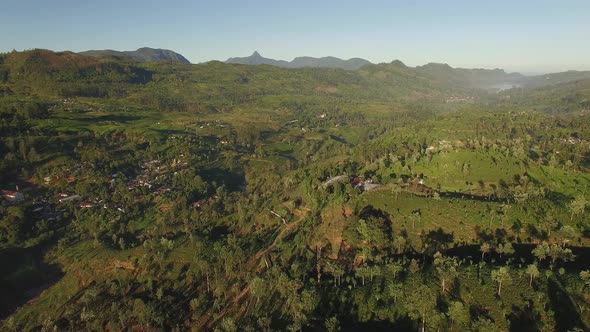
(256, 55)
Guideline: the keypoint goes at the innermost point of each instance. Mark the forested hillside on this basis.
(144, 54)
(148, 196)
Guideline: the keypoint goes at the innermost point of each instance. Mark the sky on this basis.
(517, 35)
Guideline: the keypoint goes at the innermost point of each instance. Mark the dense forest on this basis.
(170, 196)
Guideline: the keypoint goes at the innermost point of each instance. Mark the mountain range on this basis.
(144, 54)
(440, 72)
(301, 62)
(437, 76)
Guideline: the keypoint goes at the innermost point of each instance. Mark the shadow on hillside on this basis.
(339, 139)
(170, 132)
(111, 117)
(218, 176)
(438, 240)
(567, 316)
(24, 276)
(402, 324)
(523, 319)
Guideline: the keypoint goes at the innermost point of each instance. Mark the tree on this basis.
(501, 276)
(485, 248)
(398, 243)
(541, 251)
(13, 226)
(493, 214)
(585, 276)
(415, 216)
(228, 324)
(484, 325)
(459, 316)
(332, 324)
(338, 272)
(504, 209)
(568, 233)
(258, 288)
(11, 324)
(374, 271)
(363, 230)
(578, 206)
(557, 252)
(263, 324)
(533, 272)
(421, 302)
(505, 249)
(394, 290)
(446, 269)
(414, 268)
(363, 272)
(393, 269)
(22, 149)
(33, 156)
(551, 223)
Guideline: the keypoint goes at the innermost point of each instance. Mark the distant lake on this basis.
(504, 86)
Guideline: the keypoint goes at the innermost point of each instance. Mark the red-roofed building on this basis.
(13, 196)
(356, 181)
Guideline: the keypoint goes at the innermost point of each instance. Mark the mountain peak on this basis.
(256, 55)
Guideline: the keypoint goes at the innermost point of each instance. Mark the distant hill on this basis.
(301, 62)
(442, 74)
(44, 72)
(489, 79)
(329, 62)
(144, 54)
(441, 77)
(569, 96)
(557, 78)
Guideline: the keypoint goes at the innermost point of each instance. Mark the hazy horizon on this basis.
(530, 37)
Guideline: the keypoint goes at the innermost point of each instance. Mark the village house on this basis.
(355, 181)
(70, 198)
(13, 196)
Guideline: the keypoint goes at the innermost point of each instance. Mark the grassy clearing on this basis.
(453, 169)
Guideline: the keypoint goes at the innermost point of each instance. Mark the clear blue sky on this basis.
(523, 35)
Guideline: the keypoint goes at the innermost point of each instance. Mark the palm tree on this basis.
(501, 275)
(533, 272)
(485, 248)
